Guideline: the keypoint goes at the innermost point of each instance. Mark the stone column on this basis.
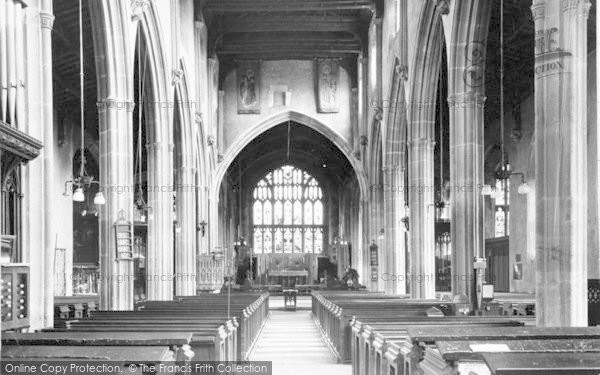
(561, 161)
(185, 256)
(47, 23)
(395, 280)
(116, 178)
(594, 257)
(160, 226)
(421, 198)
(466, 171)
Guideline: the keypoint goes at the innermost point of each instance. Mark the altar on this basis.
(288, 279)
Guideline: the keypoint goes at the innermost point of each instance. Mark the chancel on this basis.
(366, 187)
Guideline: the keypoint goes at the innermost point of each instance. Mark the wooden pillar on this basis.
(561, 161)
(421, 198)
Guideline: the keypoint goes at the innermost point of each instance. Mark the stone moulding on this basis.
(18, 143)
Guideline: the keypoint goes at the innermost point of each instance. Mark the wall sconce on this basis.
(177, 226)
(201, 227)
(381, 233)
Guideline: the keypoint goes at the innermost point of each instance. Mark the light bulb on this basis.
(523, 188)
(99, 198)
(486, 190)
(78, 195)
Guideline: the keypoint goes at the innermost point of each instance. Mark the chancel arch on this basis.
(285, 219)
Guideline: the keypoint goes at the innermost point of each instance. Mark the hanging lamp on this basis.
(504, 172)
(83, 181)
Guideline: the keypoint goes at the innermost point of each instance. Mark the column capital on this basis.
(138, 7)
(466, 99)
(538, 9)
(47, 20)
(176, 76)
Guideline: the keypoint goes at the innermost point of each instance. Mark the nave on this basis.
(293, 342)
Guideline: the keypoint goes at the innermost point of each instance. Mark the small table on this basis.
(289, 299)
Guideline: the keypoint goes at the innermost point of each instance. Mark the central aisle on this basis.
(292, 341)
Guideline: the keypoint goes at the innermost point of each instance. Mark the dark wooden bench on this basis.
(543, 363)
(74, 307)
(334, 314)
(151, 355)
(416, 352)
(178, 342)
(370, 340)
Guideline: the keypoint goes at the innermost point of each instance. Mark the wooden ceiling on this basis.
(65, 60)
(286, 29)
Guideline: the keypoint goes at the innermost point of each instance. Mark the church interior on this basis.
(375, 187)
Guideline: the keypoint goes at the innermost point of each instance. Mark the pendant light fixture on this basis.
(83, 181)
(504, 172)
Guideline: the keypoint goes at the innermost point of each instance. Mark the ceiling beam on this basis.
(244, 6)
(289, 24)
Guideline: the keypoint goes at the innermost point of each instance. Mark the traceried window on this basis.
(288, 213)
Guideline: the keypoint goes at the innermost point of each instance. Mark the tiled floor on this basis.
(292, 341)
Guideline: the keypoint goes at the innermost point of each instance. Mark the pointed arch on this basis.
(395, 125)
(160, 94)
(425, 68)
(275, 120)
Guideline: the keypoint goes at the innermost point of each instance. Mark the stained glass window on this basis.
(501, 196)
(288, 213)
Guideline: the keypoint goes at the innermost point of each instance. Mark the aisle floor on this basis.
(292, 341)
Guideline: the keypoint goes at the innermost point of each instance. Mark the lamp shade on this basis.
(99, 198)
(523, 188)
(78, 195)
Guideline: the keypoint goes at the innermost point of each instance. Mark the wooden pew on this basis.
(423, 339)
(250, 309)
(335, 312)
(178, 342)
(210, 340)
(370, 340)
(74, 307)
(448, 356)
(543, 363)
(122, 355)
